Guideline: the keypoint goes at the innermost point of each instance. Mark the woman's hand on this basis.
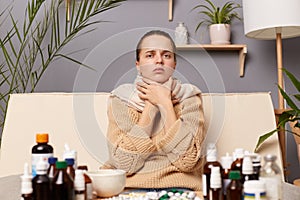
(156, 94)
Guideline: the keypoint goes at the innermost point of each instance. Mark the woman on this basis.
(156, 125)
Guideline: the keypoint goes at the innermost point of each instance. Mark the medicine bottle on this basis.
(215, 191)
(70, 169)
(254, 189)
(271, 174)
(51, 169)
(26, 184)
(211, 161)
(234, 191)
(41, 182)
(238, 159)
(256, 166)
(79, 185)
(62, 185)
(226, 162)
(87, 181)
(41, 150)
(247, 169)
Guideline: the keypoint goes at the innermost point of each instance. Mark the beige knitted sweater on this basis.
(167, 159)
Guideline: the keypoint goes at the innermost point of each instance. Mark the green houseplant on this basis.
(214, 16)
(29, 48)
(290, 116)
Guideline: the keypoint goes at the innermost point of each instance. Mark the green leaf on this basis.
(263, 138)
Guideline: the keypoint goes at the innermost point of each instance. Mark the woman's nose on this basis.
(159, 58)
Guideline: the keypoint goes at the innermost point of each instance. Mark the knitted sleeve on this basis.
(129, 146)
(183, 141)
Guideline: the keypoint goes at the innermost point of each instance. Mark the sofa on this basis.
(232, 120)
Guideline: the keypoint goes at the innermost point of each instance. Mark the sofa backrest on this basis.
(80, 120)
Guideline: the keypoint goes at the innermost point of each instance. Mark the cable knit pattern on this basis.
(171, 159)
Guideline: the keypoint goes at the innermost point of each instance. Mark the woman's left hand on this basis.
(155, 93)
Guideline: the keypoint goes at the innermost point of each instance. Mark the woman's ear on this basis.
(137, 65)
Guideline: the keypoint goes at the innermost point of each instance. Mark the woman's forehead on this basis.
(157, 42)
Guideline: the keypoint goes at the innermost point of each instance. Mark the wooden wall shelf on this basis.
(242, 48)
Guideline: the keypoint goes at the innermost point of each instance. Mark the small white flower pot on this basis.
(219, 33)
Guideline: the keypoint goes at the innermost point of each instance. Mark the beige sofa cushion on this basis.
(79, 119)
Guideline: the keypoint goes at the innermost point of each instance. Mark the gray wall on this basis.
(110, 49)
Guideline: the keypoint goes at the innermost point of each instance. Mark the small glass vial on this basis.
(41, 150)
(271, 174)
(234, 190)
(215, 191)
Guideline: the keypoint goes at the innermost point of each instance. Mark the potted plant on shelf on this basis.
(290, 116)
(218, 20)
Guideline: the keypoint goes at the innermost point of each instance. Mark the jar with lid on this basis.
(181, 34)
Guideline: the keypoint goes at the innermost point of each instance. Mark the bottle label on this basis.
(204, 185)
(35, 158)
(273, 187)
(256, 195)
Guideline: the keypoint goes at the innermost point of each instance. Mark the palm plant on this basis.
(216, 15)
(291, 115)
(28, 50)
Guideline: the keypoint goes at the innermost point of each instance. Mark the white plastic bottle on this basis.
(79, 185)
(271, 174)
(26, 184)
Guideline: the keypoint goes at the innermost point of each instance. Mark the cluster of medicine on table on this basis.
(241, 176)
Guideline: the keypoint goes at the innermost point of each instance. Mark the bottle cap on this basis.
(69, 161)
(68, 153)
(42, 137)
(52, 160)
(226, 161)
(247, 166)
(234, 175)
(239, 153)
(26, 184)
(211, 153)
(79, 183)
(61, 165)
(215, 177)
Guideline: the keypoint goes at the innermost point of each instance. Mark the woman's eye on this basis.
(149, 55)
(167, 55)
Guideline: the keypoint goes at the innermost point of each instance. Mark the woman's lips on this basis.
(158, 70)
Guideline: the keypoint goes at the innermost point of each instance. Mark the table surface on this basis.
(10, 187)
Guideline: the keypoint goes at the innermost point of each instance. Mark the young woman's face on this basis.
(157, 61)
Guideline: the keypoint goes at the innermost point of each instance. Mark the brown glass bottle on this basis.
(41, 150)
(234, 190)
(226, 162)
(215, 191)
(62, 185)
(70, 169)
(52, 169)
(211, 161)
(238, 162)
